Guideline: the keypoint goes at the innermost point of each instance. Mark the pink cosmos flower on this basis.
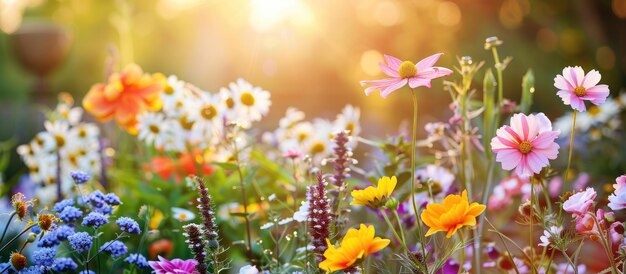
(507, 190)
(526, 145)
(175, 266)
(617, 200)
(406, 72)
(580, 202)
(575, 87)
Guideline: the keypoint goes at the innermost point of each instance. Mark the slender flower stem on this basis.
(569, 155)
(420, 231)
(606, 245)
(295, 182)
(393, 230)
(6, 227)
(462, 261)
(245, 204)
(532, 213)
(395, 214)
(17, 237)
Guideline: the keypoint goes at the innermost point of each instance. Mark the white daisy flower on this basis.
(59, 130)
(174, 97)
(207, 115)
(320, 144)
(248, 269)
(348, 120)
(152, 129)
(182, 214)
(69, 114)
(250, 103)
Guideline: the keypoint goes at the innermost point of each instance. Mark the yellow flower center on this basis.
(302, 136)
(317, 148)
(208, 112)
(525, 147)
(82, 133)
(169, 90)
(407, 70)
(60, 140)
(185, 123)
(350, 127)
(593, 111)
(154, 129)
(182, 216)
(247, 99)
(230, 103)
(580, 91)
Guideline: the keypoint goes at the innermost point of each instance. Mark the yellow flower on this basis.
(454, 213)
(355, 246)
(375, 197)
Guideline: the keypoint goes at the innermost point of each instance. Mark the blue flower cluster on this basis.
(44, 256)
(80, 177)
(80, 241)
(58, 207)
(129, 225)
(138, 260)
(115, 248)
(70, 214)
(36, 269)
(64, 264)
(95, 219)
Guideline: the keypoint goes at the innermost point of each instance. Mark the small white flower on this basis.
(182, 214)
(267, 226)
(285, 221)
(271, 197)
(248, 269)
(249, 103)
(303, 212)
(549, 236)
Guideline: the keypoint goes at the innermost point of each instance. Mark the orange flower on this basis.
(186, 164)
(124, 96)
(454, 213)
(161, 247)
(355, 246)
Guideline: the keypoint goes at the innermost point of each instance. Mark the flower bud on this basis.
(18, 261)
(392, 203)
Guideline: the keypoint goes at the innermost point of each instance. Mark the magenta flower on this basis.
(175, 266)
(580, 202)
(402, 73)
(575, 87)
(617, 200)
(526, 145)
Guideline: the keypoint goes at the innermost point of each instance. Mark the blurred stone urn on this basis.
(41, 47)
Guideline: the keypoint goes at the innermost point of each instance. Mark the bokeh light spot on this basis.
(369, 62)
(449, 13)
(605, 57)
(387, 13)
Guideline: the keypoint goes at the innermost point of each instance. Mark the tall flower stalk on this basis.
(194, 232)
(319, 217)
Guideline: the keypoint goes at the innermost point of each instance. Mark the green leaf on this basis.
(489, 91)
(227, 166)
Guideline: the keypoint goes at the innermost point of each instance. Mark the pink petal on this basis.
(400, 83)
(565, 96)
(378, 84)
(591, 79)
(393, 62)
(576, 75)
(417, 82)
(543, 122)
(517, 127)
(551, 152)
(597, 95)
(387, 70)
(428, 62)
(508, 143)
(433, 72)
(577, 103)
(536, 161)
(509, 158)
(545, 139)
(562, 84)
(522, 169)
(499, 143)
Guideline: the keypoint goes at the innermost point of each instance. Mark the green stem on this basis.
(244, 200)
(569, 155)
(393, 230)
(462, 260)
(496, 59)
(395, 214)
(6, 227)
(420, 231)
(17, 237)
(606, 245)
